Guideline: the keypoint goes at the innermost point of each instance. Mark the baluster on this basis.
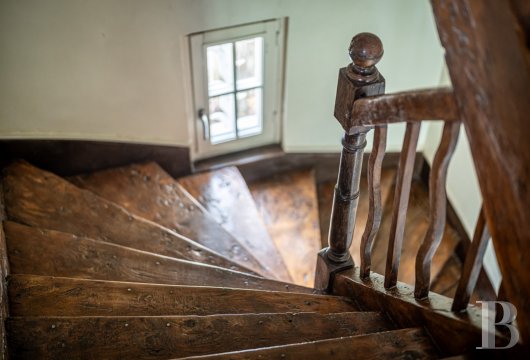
(472, 264)
(401, 202)
(361, 78)
(375, 209)
(438, 208)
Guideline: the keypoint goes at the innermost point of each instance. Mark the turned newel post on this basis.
(359, 79)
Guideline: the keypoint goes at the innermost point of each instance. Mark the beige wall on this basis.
(117, 69)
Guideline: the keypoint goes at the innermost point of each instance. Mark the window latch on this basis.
(203, 116)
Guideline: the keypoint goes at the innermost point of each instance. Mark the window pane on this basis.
(249, 112)
(222, 119)
(220, 69)
(249, 63)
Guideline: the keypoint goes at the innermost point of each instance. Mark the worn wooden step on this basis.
(175, 336)
(42, 199)
(33, 295)
(48, 252)
(148, 191)
(225, 195)
(288, 205)
(410, 343)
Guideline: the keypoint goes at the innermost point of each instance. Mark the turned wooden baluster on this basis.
(375, 209)
(361, 78)
(401, 202)
(438, 208)
(472, 264)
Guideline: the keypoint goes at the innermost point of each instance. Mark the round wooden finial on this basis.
(365, 51)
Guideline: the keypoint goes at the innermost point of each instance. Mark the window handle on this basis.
(203, 116)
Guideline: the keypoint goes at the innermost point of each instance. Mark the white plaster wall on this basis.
(117, 69)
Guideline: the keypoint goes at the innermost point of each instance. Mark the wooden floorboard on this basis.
(225, 195)
(170, 337)
(52, 253)
(34, 295)
(148, 191)
(288, 205)
(39, 198)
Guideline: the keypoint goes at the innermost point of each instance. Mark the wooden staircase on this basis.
(130, 263)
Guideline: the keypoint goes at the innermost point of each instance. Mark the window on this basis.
(237, 87)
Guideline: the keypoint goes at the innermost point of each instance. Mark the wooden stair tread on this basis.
(411, 343)
(49, 252)
(159, 337)
(33, 295)
(288, 205)
(42, 199)
(226, 197)
(148, 191)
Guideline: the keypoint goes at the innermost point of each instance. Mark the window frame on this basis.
(272, 32)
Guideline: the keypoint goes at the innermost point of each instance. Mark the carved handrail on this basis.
(361, 107)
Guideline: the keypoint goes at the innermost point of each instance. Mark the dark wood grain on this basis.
(401, 306)
(397, 344)
(42, 199)
(225, 195)
(410, 106)
(73, 157)
(176, 336)
(33, 295)
(4, 272)
(401, 201)
(288, 206)
(437, 208)
(472, 264)
(491, 77)
(148, 191)
(375, 210)
(47, 252)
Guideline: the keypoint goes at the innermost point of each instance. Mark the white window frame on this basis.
(272, 32)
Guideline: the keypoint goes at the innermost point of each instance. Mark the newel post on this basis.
(359, 79)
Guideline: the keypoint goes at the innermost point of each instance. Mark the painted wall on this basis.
(118, 69)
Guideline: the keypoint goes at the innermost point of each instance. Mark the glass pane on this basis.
(222, 119)
(220, 69)
(249, 112)
(249, 63)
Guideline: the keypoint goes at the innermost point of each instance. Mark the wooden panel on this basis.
(4, 272)
(42, 199)
(226, 197)
(397, 344)
(437, 208)
(375, 209)
(401, 201)
(401, 306)
(148, 191)
(288, 205)
(32, 295)
(472, 265)
(48, 252)
(179, 336)
(491, 78)
(417, 105)
(72, 157)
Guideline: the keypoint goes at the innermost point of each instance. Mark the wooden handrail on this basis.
(375, 207)
(401, 203)
(472, 264)
(491, 76)
(437, 208)
(409, 106)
